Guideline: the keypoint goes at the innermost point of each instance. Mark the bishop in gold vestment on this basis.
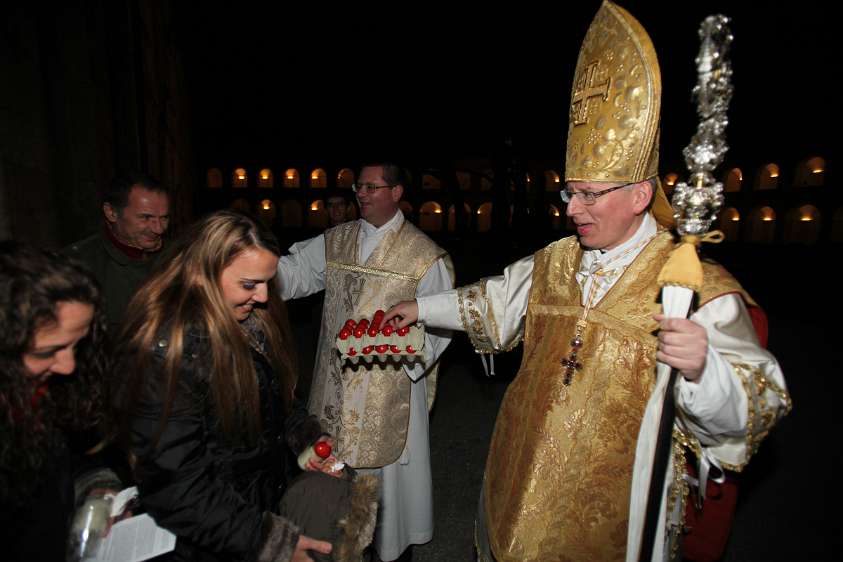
(558, 478)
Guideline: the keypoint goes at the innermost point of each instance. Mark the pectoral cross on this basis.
(570, 362)
(571, 366)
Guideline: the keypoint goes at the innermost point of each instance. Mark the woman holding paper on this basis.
(207, 359)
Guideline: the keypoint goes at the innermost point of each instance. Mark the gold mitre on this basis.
(615, 102)
(613, 133)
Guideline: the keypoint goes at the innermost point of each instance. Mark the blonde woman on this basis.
(211, 419)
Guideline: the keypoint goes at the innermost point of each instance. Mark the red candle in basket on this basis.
(368, 349)
(351, 352)
(387, 330)
(345, 333)
(382, 348)
(394, 349)
(410, 349)
(403, 331)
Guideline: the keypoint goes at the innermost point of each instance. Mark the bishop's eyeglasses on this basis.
(588, 197)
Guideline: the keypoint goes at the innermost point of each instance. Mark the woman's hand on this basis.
(306, 543)
(317, 464)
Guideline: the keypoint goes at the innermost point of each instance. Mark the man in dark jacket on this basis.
(136, 208)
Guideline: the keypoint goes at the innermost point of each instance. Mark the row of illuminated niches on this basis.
(808, 173)
(759, 224)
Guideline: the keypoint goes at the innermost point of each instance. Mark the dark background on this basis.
(425, 81)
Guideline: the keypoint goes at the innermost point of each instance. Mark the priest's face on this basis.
(378, 200)
(614, 216)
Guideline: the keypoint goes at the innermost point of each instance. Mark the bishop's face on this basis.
(613, 218)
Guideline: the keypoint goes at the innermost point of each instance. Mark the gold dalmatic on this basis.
(558, 476)
(560, 463)
(366, 407)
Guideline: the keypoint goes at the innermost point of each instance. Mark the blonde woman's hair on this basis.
(184, 293)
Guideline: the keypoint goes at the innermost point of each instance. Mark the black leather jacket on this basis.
(214, 496)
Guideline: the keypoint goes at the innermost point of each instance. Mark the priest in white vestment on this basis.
(377, 414)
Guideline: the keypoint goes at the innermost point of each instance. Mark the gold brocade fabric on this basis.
(613, 131)
(366, 407)
(558, 476)
(560, 462)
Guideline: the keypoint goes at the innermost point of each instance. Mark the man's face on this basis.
(612, 219)
(143, 221)
(337, 209)
(377, 206)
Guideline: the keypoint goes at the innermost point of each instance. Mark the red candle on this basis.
(373, 331)
(351, 352)
(344, 333)
(382, 348)
(394, 349)
(359, 331)
(403, 331)
(349, 324)
(387, 330)
(410, 349)
(368, 349)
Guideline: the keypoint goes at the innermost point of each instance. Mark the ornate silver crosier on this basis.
(697, 202)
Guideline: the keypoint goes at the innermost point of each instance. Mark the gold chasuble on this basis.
(366, 407)
(557, 482)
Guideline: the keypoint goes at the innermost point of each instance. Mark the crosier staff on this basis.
(695, 206)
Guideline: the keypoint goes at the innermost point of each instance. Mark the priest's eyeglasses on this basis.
(367, 187)
(588, 197)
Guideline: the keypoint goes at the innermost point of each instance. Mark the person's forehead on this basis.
(143, 197)
(336, 199)
(371, 173)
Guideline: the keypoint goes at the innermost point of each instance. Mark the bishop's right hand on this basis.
(402, 314)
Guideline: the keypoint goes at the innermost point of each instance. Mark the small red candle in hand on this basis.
(322, 449)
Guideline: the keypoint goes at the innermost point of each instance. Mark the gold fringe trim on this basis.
(372, 271)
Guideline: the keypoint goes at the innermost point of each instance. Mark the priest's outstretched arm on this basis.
(491, 311)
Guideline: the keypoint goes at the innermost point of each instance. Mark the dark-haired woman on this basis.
(52, 366)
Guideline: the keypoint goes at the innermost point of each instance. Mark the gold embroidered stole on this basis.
(366, 407)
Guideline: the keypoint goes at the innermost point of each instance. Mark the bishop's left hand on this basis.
(683, 344)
